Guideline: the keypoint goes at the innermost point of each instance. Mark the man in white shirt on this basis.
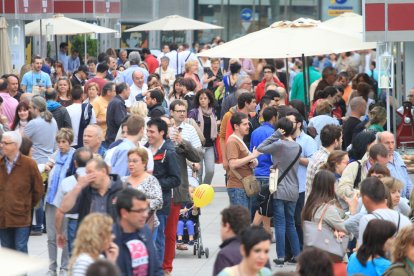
(79, 114)
(173, 55)
(374, 198)
(138, 89)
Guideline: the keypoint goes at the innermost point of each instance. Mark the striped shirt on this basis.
(81, 264)
(190, 134)
(315, 163)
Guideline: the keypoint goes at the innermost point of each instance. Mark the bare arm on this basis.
(304, 161)
(237, 163)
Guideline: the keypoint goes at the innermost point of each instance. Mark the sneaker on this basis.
(279, 262)
(51, 273)
(190, 242)
(179, 241)
(292, 261)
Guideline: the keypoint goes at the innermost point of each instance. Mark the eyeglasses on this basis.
(180, 111)
(140, 211)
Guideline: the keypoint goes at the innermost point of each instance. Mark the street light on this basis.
(385, 69)
(49, 32)
(118, 29)
(94, 36)
(15, 35)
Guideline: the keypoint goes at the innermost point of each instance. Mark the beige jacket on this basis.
(345, 186)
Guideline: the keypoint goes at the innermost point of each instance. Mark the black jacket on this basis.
(167, 171)
(84, 200)
(124, 258)
(62, 117)
(229, 255)
(156, 111)
(115, 114)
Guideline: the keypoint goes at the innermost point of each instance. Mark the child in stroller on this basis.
(188, 217)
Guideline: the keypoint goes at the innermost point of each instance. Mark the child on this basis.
(188, 216)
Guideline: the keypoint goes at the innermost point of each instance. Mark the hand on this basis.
(112, 252)
(352, 203)
(256, 153)
(253, 164)
(282, 131)
(177, 138)
(48, 168)
(226, 165)
(4, 120)
(61, 240)
(213, 78)
(84, 181)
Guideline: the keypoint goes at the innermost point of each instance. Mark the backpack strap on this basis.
(358, 176)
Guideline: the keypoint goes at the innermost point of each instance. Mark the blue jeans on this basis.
(190, 227)
(72, 227)
(160, 241)
(238, 196)
(15, 238)
(283, 217)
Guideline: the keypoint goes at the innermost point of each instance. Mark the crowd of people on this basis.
(104, 154)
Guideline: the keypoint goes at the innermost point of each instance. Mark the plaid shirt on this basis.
(318, 159)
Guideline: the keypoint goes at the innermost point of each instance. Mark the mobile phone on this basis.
(180, 129)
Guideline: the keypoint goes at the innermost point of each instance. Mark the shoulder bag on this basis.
(324, 237)
(250, 184)
(274, 178)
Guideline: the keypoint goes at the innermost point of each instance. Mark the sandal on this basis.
(182, 247)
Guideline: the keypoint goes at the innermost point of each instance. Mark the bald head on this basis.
(387, 139)
(138, 78)
(282, 93)
(358, 106)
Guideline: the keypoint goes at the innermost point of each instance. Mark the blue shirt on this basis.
(398, 170)
(73, 64)
(265, 160)
(373, 267)
(31, 78)
(127, 74)
(309, 147)
(64, 59)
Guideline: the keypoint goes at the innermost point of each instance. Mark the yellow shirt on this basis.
(100, 105)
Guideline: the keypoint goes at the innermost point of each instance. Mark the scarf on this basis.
(208, 113)
(62, 164)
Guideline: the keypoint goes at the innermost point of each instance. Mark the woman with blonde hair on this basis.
(92, 92)
(394, 200)
(138, 108)
(191, 70)
(93, 238)
(403, 254)
(63, 88)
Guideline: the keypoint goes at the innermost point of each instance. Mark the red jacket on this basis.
(260, 89)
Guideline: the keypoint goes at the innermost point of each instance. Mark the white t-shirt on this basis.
(75, 112)
(135, 90)
(383, 214)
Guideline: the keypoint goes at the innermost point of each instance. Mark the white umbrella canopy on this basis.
(286, 39)
(65, 26)
(5, 53)
(348, 22)
(16, 263)
(174, 23)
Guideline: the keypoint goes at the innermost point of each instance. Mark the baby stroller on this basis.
(198, 247)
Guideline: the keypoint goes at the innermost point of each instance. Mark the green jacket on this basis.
(298, 89)
(399, 269)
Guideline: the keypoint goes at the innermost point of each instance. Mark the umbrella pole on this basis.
(85, 50)
(56, 48)
(305, 88)
(287, 76)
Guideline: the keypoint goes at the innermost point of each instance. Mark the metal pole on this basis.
(305, 88)
(56, 47)
(287, 75)
(228, 20)
(398, 83)
(85, 50)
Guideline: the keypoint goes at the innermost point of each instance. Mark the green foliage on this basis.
(79, 44)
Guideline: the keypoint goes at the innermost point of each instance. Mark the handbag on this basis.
(324, 237)
(274, 178)
(250, 183)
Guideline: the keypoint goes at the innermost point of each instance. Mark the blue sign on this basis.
(246, 14)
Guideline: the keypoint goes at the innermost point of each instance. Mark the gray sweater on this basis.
(283, 152)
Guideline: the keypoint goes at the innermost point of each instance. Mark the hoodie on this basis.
(60, 114)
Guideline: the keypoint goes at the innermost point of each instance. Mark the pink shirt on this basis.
(8, 106)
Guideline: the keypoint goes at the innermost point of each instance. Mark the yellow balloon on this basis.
(203, 195)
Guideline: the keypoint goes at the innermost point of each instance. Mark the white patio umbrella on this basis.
(349, 22)
(16, 263)
(5, 53)
(64, 26)
(286, 39)
(174, 23)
